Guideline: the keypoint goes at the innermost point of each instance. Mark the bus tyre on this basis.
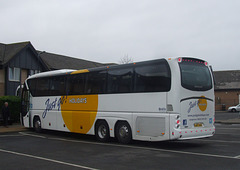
(37, 124)
(102, 131)
(124, 132)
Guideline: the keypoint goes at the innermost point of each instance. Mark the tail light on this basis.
(177, 121)
(179, 60)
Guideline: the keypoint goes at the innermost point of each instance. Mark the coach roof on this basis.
(51, 73)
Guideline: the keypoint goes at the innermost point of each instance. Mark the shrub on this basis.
(14, 104)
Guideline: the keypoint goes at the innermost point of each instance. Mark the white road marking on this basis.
(237, 156)
(27, 134)
(46, 159)
(148, 148)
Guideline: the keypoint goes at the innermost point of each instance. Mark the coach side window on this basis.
(76, 84)
(120, 80)
(152, 78)
(57, 86)
(42, 87)
(96, 82)
(32, 86)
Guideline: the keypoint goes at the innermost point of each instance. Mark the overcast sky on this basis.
(106, 30)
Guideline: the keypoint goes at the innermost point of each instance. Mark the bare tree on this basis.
(126, 59)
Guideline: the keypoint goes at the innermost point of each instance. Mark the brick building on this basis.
(227, 89)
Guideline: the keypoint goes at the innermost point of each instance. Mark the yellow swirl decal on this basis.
(79, 112)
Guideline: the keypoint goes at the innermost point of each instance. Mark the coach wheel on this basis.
(102, 131)
(124, 132)
(37, 125)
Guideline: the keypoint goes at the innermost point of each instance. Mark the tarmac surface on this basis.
(227, 117)
(21, 148)
(12, 128)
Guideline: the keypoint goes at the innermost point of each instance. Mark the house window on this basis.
(32, 72)
(14, 74)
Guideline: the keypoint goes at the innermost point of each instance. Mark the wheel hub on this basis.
(102, 131)
(37, 124)
(123, 131)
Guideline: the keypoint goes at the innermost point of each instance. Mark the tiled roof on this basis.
(2, 49)
(227, 79)
(52, 61)
(55, 61)
(7, 51)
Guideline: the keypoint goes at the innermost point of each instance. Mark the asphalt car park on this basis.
(55, 150)
(227, 115)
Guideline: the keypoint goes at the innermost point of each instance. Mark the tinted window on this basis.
(42, 87)
(32, 86)
(51, 86)
(120, 80)
(143, 77)
(76, 84)
(195, 76)
(57, 86)
(96, 82)
(152, 78)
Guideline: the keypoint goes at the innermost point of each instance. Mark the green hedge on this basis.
(14, 104)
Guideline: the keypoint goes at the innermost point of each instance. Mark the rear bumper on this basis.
(195, 137)
(195, 133)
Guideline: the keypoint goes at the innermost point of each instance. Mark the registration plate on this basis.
(198, 124)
